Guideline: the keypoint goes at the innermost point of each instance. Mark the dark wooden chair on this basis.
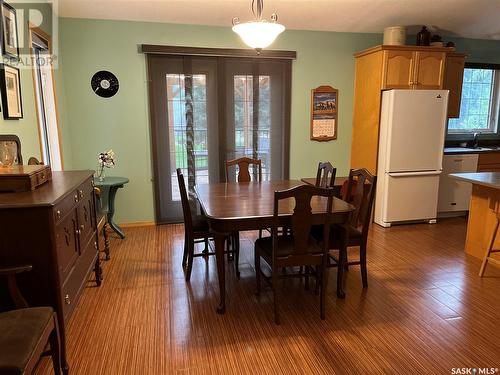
(196, 229)
(34, 161)
(361, 190)
(298, 249)
(243, 164)
(25, 332)
(243, 175)
(12, 138)
(325, 177)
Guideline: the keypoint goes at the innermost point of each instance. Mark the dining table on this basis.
(231, 207)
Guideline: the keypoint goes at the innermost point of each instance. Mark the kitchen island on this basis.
(484, 206)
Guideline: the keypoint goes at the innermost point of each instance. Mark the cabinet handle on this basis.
(58, 214)
(76, 198)
(458, 160)
(81, 194)
(95, 245)
(67, 300)
(82, 227)
(77, 232)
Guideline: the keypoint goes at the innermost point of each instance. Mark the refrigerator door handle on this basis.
(416, 174)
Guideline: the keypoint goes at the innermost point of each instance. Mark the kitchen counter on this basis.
(470, 150)
(484, 206)
(487, 179)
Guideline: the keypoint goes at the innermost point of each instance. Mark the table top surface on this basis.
(488, 179)
(339, 180)
(111, 181)
(255, 199)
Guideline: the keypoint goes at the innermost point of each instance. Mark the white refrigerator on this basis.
(411, 142)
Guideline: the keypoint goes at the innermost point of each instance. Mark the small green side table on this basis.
(109, 186)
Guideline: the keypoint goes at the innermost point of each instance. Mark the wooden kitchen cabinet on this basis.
(489, 162)
(395, 67)
(398, 69)
(406, 69)
(453, 80)
(429, 70)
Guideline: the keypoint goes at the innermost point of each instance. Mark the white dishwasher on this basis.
(454, 196)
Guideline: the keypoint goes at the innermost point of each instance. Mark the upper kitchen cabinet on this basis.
(409, 69)
(397, 67)
(429, 70)
(453, 80)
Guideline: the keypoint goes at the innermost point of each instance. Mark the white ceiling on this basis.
(465, 18)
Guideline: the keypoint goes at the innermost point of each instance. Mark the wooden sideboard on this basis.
(52, 228)
(398, 67)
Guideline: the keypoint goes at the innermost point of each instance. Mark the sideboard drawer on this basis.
(65, 206)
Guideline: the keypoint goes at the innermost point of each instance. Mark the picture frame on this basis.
(324, 113)
(10, 81)
(10, 35)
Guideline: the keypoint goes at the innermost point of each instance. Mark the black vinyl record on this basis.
(105, 84)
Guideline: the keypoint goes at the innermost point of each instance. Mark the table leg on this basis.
(341, 266)
(111, 211)
(221, 271)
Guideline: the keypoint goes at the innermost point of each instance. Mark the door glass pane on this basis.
(178, 130)
(249, 140)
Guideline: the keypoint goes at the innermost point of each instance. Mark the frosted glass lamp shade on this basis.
(258, 34)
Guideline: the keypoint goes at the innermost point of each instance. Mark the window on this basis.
(50, 144)
(480, 101)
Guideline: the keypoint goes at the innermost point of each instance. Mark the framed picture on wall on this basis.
(324, 113)
(10, 38)
(10, 81)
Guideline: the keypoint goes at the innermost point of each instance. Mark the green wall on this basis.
(95, 124)
(122, 122)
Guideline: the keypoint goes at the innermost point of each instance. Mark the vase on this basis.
(101, 175)
(423, 37)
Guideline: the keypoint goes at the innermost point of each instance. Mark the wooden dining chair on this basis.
(298, 249)
(325, 177)
(196, 229)
(243, 175)
(26, 331)
(243, 164)
(361, 190)
(34, 161)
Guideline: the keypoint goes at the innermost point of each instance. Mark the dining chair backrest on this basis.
(186, 206)
(361, 189)
(325, 177)
(302, 218)
(6, 139)
(243, 168)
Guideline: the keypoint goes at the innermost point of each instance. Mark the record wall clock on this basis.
(105, 84)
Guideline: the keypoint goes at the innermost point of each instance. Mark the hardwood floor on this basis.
(426, 311)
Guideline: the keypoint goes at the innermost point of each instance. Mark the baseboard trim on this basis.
(136, 224)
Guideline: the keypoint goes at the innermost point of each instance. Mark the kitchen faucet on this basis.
(475, 140)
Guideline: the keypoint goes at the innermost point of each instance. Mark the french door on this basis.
(206, 110)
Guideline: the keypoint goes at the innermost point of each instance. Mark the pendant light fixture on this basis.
(260, 33)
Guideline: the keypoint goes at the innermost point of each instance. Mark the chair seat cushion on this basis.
(336, 234)
(20, 331)
(200, 223)
(285, 246)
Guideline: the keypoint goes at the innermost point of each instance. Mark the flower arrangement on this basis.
(105, 160)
